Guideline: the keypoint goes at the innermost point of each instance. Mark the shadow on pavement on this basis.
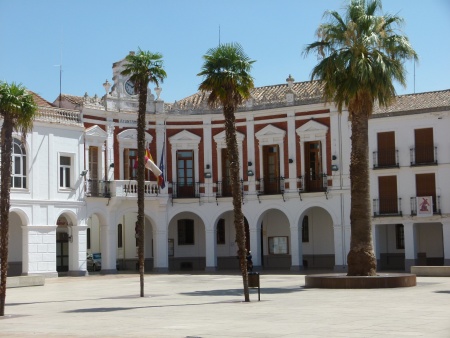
(238, 292)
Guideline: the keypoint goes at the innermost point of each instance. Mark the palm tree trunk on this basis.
(233, 153)
(361, 258)
(141, 182)
(6, 137)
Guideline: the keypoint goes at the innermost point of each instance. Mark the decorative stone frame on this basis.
(267, 136)
(128, 140)
(185, 140)
(313, 131)
(96, 137)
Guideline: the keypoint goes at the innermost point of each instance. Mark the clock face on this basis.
(129, 88)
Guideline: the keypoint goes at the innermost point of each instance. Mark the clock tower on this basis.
(123, 96)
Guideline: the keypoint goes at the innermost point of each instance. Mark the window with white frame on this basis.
(65, 169)
(19, 165)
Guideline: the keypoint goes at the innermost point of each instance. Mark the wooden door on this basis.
(424, 147)
(387, 190)
(185, 174)
(386, 149)
(271, 167)
(426, 186)
(313, 166)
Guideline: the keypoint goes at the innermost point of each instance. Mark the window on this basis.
(387, 190)
(19, 165)
(278, 245)
(399, 236)
(386, 149)
(185, 232)
(88, 238)
(426, 186)
(119, 236)
(65, 163)
(185, 173)
(424, 146)
(221, 231)
(130, 161)
(305, 230)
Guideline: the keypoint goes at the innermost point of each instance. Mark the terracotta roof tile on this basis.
(40, 101)
(417, 103)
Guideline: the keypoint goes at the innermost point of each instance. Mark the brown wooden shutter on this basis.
(387, 189)
(424, 147)
(386, 149)
(426, 186)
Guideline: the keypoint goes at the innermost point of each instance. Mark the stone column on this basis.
(211, 256)
(410, 245)
(292, 167)
(296, 248)
(250, 158)
(41, 255)
(108, 241)
(339, 248)
(161, 258)
(446, 239)
(255, 248)
(77, 251)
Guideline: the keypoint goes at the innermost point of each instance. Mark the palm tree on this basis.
(17, 109)
(360, 55)
(226, 72)
(144, 67)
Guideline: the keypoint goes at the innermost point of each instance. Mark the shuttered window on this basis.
(386, 149)
(424, 147)
(426, 186)
(387, 189)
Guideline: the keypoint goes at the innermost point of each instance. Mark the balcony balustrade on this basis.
(185, 190)
(98, 188)
(319, 183)
(387, 207)
(436, 205)
(271, 185)
(128, 188)
(423, 156)
(224, 188)
(385, 159)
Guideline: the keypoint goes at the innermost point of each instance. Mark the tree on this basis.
(17, 109)
(144, 67)
(361, 55)
(226, 72)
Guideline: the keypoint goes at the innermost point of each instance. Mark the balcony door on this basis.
(424, 147)
(386, 149)
(426, 186)
(130, 162)
(271, 167)
(313, 166)
(185, 173)
(93, 170)
(387, 189)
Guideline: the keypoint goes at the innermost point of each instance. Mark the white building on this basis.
(294, 153)
(48, 209)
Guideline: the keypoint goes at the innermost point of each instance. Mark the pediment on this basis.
(312, 127)
(131, 135)
(221, 137)
(96, 132)
(184, 137)
(270, 131)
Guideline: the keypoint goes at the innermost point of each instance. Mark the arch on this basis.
(318, 250)
(22, 214)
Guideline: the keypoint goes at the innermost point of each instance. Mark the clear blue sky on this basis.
(94, 34)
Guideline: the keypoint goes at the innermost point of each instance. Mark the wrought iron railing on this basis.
(185, 190)
(387, 207)
(98, 188)
(385, 159)
(224, 188)
(423, 155)
(436, 205)
(319, 184)
(271, 185)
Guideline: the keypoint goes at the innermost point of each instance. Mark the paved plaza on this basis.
(211, 305)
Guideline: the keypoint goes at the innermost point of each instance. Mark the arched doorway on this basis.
(275, 239)
(63, 236)
(15, 247)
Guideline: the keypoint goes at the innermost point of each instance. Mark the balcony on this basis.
(387, 207)
(128, 188)
(385, 159)
(98, 188)
(224, 188)
(271, 185)
(436, 205)
(185, 190)
(423, 156)
(319, 183)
